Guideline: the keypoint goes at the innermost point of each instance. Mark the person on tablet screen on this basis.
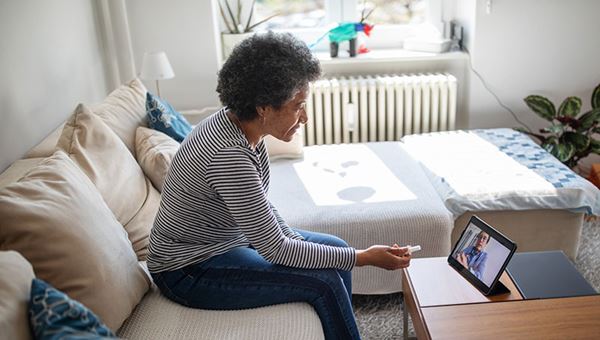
(473, 257)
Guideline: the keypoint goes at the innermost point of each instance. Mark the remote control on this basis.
(413, 249)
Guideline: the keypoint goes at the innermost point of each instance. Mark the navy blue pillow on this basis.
(163, 117)
(53, 315)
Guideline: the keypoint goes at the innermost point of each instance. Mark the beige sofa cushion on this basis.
(156, 317)
(15, 285)
(47, 146)
(140, 225)
(103, 157)
(55, 217)
(154, 151)
(123, 110)
(17, 170)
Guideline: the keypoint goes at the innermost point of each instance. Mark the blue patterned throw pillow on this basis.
(53, 315)
(163, 117)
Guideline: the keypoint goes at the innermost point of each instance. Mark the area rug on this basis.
(380, 316)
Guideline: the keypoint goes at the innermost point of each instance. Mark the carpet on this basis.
(380, 316)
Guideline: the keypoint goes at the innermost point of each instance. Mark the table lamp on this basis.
(156, 66)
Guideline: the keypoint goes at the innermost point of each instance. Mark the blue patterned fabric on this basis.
(163, 117)
(53, 315)
(499, 169)
(522, 149)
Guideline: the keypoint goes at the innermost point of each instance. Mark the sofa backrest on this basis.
(15, 285)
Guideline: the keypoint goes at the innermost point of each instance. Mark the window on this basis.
(292, 14)
(393, 12)
(315, 13)
(310, 20)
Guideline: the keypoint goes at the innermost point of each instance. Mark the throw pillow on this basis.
(154, 151)
(47, 146)
(123, 110)
(15, 284)
(17, 170)
(58, 221)
(163, 117)
(279, 149)
(103, 157)
(53, 314)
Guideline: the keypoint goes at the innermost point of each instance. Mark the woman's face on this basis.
(282, 123)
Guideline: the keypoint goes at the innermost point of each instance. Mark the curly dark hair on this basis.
(266, 69)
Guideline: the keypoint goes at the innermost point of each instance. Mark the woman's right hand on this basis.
(386, 257)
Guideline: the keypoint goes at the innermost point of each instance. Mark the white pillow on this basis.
(154, 151)
(279, 149)
(123, 110)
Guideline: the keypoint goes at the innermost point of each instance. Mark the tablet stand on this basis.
(499, 289)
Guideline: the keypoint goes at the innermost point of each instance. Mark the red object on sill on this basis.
(594, 176)
(363, 49)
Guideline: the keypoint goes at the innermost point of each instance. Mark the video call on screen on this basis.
(481, 254)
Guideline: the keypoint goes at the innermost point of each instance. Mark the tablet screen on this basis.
(482, 252)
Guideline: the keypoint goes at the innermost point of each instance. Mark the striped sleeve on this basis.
(287, 231)
(234, 177)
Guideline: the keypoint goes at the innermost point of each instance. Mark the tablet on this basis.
(481, 254)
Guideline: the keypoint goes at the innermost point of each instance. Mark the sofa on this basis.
(76, 212)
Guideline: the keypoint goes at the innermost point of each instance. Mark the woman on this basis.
(217, 241)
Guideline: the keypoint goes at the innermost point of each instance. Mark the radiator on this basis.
(379, 108)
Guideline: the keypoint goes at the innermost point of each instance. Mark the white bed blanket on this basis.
(499, 169)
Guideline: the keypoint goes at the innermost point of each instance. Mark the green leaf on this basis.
(234, 23)
(579, 141)
(556, 129)
(550, 145)
(542, 106)
(239, 11)
(570, 107)
(588, 119)
(596, 97)
(263, 20)
(595, 146)
(564, 152)
(229, 29)
(247, 27)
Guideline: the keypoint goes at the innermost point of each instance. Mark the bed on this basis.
(423, 190)
(508, 180)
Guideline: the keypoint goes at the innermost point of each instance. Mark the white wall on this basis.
(523, 47)
(51, 60)
(185, 30)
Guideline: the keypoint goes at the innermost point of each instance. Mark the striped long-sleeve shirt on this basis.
(215, 198)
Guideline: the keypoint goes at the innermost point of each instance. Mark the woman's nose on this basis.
(303, 116)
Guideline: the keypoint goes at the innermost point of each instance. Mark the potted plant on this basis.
(237, 28)
(570, 136)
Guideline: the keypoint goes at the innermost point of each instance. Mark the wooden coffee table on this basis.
(443, 305)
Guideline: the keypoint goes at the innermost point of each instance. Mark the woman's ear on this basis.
(262, 113)
(261, 110)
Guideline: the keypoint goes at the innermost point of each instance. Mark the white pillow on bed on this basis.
(278, 149)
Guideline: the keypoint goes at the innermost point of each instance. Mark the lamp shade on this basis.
(156, 66)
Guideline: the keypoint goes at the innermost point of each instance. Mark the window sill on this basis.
(389, 55)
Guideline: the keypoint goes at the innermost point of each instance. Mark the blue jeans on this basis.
(241, 278)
